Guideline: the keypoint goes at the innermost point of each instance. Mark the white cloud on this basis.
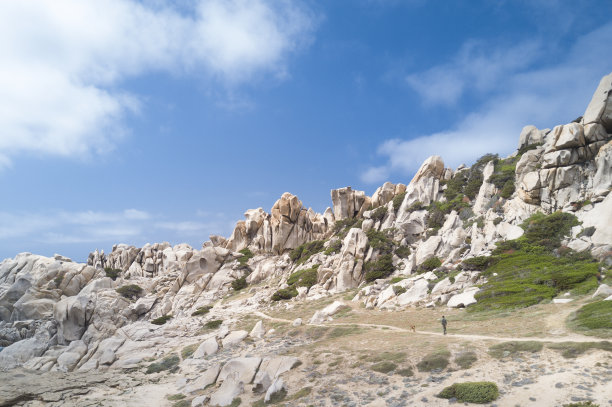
(545, 95)
(63, 61)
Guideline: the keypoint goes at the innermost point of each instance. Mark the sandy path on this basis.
(566, 338)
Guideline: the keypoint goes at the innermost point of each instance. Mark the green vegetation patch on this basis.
(334, 247)
(169, 363)
(596, 315)
(471, 392)
(173, 397)
(406, 372)
(340, 331)
(161, 320)
(342, 227)
(285, 294)
(505, 349)
(201, 311)
(384, 367)
(479, 263)
(399, 290)
(378, 214)
(379, 240)
(575, 349)
(382, 267)
(213, 324)
(303, 252)
(397, 201)
(402, 252)
(430, 264)
(182, 403)
(189, 350)
(437, 211)
(466, 359)
(582, 404)
(246, 255)
(112, 273)
(548, 230)
(239, 283)
(130, 291)
(434, 361)
(304, 278)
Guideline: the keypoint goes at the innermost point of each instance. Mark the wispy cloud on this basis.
(63, 69)
(544, 94)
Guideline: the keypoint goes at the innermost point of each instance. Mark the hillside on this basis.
(343, 308)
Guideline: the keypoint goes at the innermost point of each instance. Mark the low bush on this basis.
(434, 361)
(112, 273)
(582, 404)
(402, 252)
(304, 278)
(471, 392)
(399, 290)
(161, 320)
(406, 372)
(548, 230)
(396, 280)
(173, 397)
(189, 350)
(130, 291)
(285, 294)
(303, 252)
(213, 324)
(384, 367)
(574, 349)
(479, 263)
(381, 268)
(596, 315)
(505, 349)
(379, 241)
(169, 363)
(378, 214)
(239, 283)
(201, 311)
(430, 264)
(246, 255)
(341, 227)
(466, 359)
(334, 247)
(397, 201)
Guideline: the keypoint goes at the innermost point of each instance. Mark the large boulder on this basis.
(600, 107)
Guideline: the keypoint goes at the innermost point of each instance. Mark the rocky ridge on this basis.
(58, 315)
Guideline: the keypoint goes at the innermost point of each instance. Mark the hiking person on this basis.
(444, 324)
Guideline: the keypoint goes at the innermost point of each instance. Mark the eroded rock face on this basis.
(287, 226)
(349, 203)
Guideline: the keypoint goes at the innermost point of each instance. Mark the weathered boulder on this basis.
(244, 367)
(234, 338)
(231, 388)
(464, 299)
(206, 348)
(71, 356)
(258, 330)
(349, 203)
(600, 107)
(204, 380)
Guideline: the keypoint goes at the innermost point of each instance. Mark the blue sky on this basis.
(136, 122)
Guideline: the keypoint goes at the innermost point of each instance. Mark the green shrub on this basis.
(246, 255)
(466, 359)
(526, 148)
(173, 397)
(285, 294)
(402, 252)
(130, 291)
(236, 402)
(381, 268)
(479, 263)
(302, 253)
(213, 324)
(396, 279)
(169, 363)
(406, 372)
(575, 349)
(596, 315)
(471, 392)
(430, 264)
(582, 404)
(511, 348)
(182, 403)
(437, 360)
(437, 211)
(341, 227)
(379, 241)
(378, 214)
(189, 350)
(503, 173)
(112, 273)
(201, 311)
(507, 190)
(384, 367)
(548, 230)
(161, 320)
(334, 247)
(397, 200)
(239, 283)
(304, 278)
(399, 290)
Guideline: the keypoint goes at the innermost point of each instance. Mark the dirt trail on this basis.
(566, 338)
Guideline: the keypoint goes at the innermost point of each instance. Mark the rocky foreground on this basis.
(138, 324)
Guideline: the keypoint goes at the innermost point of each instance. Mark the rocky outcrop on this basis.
(287, 226)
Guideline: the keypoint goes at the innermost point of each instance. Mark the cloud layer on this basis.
(514, 87)
(64, 61)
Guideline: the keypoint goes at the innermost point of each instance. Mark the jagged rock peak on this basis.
(349, 203)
